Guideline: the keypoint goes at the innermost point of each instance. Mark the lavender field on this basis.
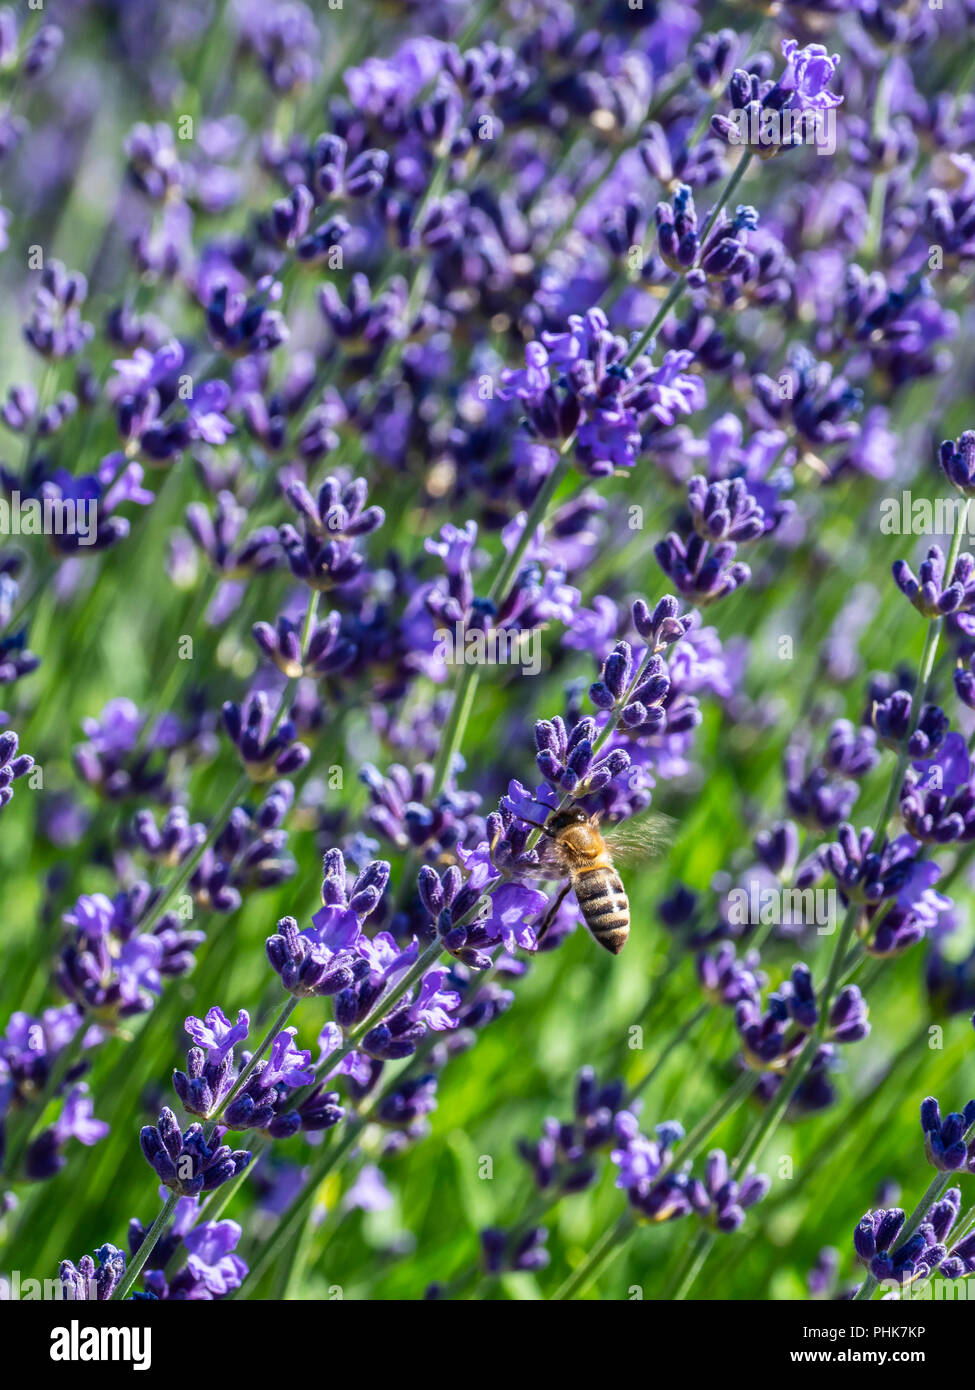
(487, 646)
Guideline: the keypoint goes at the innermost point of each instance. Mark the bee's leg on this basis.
(549, 917)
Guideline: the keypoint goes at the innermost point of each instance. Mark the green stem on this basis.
(737, 174)
(539, 508)
(694, 1263)
(679, 285)
(453, 734)
(292, 1223)
(187, 868)
(671, 298)
(878, 188)
(609, 1244)
(702, 1131)
(676, 1041)
(145, 1249)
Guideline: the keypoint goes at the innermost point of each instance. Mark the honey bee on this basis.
(577, 850)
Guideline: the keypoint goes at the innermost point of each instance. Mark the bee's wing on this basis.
(646, 836)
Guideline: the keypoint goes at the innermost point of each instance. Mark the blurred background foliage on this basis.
(117, 635)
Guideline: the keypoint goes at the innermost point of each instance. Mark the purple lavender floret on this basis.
(185, 1162)
(433, 1008)
(111, 968)
(169, 843)
(404, 1109)
(305, 964)
(282, 39)
(892, 1260)
(817, 404)
(327, 958)
(726, 979)
(929, 592)
(241, 324)
(405, 812)
(944, 1137)
(725, 510)
(454, 905)
(802, 91)
(148, 394)
(721, 1200)
(778, 848)
(873, 1241)
(85, 1281)
(661, 626)
(501, 1253)
(56, 328)
(659, 1194)
(563, 1159)
(137, 953)
(721, 255)
(958, 461)
(205, 1084)
(850, 750)
(774, 1038)
(701, 572)
(641, 1161)
(937, 799)
(580, 383)
(265, 750)
(637, 689)
(218, 534)
(215, 1033)
(567, 761)
(814, 797)
(328, 652)
(29, 1051)
(263, 1102)
(249, 853)
(211, 1270)
(891, 716)
(44, 1157)
(863, 874)
(118, 758)
(324, 555)
(12, 765)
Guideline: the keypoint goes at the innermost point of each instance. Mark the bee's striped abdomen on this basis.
(604, 905)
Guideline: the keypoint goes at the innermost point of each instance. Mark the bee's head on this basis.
(563, 819)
